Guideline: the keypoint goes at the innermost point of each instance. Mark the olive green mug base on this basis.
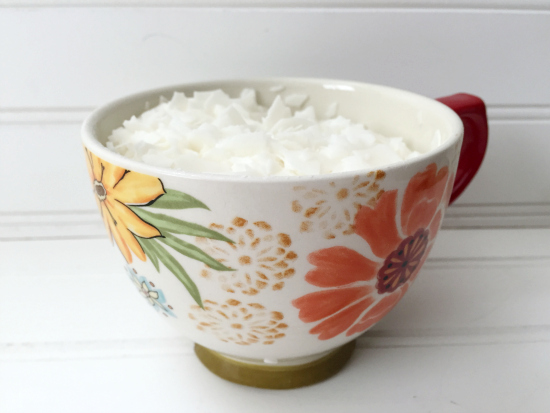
(275, 377)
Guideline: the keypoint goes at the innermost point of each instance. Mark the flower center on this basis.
(100, 190)
(400, 265)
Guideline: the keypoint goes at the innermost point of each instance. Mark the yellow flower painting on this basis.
(127, 199)
(115, 188)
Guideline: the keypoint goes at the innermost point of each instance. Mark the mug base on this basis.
(256, 373)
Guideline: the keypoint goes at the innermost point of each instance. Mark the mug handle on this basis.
(471, 110)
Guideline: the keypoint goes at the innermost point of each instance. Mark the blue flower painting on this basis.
(153, 295)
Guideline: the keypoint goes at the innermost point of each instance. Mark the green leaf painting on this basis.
(175, 268)
(149, 251)
(177, 200)
(191, 251)
(165, 223)
(168, 226)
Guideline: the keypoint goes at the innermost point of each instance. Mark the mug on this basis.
(275, 277)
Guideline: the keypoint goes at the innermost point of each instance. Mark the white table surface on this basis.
(473, 334)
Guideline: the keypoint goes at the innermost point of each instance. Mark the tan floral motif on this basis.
(332, 210)
(262, 258)
(239, 323)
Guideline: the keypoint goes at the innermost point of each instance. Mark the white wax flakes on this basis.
(212, 132)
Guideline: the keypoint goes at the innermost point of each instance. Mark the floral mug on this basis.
(274, 278)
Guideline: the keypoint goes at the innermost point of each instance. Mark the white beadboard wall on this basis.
(62, 60)
(473, 335)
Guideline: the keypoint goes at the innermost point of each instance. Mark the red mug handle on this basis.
(471, 110)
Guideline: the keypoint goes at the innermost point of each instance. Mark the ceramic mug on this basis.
(274, 278)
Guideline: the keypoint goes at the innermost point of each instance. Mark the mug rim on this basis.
(91, 142)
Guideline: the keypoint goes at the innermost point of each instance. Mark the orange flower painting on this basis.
(355, 291)
(115, 188)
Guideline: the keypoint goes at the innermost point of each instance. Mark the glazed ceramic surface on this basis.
(278, 268)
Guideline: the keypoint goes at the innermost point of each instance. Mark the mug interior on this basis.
(388, 111)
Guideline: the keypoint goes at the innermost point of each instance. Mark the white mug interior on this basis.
(382, 109)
